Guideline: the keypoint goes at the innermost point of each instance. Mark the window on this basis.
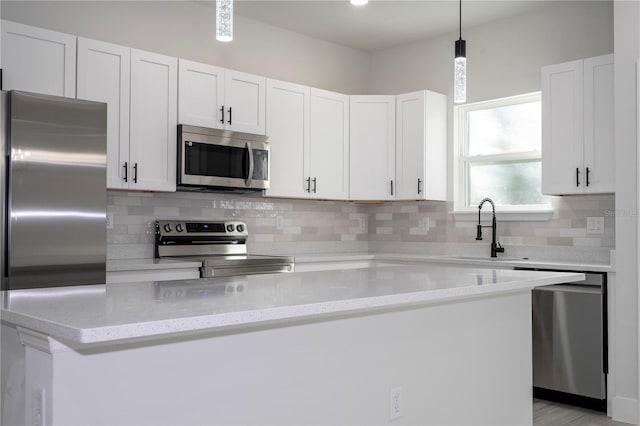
(498, 145)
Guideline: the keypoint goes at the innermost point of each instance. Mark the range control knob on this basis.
(167, 227)
(179, 227)
(230, 228)
(240, 228)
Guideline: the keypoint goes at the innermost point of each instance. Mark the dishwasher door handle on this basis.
(571, 288)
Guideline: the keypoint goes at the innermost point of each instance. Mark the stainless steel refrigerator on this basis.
(54, 191)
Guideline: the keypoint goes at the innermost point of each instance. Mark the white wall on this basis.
(187, 29)
(627, 48)
(504, 57)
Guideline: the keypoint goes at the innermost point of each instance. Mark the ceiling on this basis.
(380, 24)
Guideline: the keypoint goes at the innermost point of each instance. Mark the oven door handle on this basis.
(250, 173)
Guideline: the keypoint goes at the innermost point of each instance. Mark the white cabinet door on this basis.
(244, 102)
(287, 126)
(562, 128)
(200, 94)
(329, 145)
(599, 153)
(38, 60)
(372, 148)
(104, 76)
(154, 119)
(421, 146)
(578, 127)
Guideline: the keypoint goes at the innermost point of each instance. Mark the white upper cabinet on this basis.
(288, 132)
(308, 132)
(328, 170)
(201, 94)
(577, 127)
(244, 99)
(154, 115)
(372, 148)
(421, 146)
(104, 76)
(599, 151)
(38, 60)
(219, 98)
(140, 89)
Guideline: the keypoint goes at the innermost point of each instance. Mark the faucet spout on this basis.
(495, 246)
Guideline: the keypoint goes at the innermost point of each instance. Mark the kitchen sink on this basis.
(483, 258)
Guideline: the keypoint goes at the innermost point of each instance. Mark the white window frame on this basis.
(460, 158)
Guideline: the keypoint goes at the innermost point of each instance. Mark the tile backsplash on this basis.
(345, 226)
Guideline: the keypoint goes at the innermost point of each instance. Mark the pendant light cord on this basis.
(460, 15)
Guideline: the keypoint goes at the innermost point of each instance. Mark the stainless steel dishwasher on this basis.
(570, 342)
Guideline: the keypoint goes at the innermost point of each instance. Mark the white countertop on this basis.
(501, 261)
(113, 312)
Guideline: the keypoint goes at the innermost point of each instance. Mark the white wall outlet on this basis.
(424, 224)
(362, 224)
(395, 403)
(37, 407)
(279, 223)
(109, 220)
(595, 225)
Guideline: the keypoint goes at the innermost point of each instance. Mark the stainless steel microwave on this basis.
(217, 159)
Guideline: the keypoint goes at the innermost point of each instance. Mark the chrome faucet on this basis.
(495, 246)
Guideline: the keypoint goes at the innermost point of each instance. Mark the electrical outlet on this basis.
(37, 407)
(109, 220)
(395, 403)
(424, 224)
(595, 225)
(279, 223)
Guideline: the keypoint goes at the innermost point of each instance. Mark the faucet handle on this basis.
(499, 248)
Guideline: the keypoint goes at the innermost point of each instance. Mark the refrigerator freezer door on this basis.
(57, 191)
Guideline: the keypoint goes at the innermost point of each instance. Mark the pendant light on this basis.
(224, 20)
(460, 68)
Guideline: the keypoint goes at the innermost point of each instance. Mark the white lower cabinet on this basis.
(140, 89)
(372, 148)
(578, 127)
(38, 60)
(308, 137)
(421, 146)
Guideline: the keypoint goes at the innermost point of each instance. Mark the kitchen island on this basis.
(421, 344)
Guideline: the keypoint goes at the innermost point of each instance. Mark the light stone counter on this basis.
(112, 312)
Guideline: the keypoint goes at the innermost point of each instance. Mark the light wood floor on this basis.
(547, 413)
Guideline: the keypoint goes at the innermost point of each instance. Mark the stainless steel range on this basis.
(220, 246)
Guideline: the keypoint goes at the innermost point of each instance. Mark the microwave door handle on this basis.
(250, 174)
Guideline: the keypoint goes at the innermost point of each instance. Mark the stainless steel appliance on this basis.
(55, 201)
(569, 342)
(212, 159)
(220, 246)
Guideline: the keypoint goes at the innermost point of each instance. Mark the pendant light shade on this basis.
(460, 67)
(224, 20)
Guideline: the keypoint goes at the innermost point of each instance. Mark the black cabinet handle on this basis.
(135, 173)
(419, 182)
(222, 112)
(577, 176)
(588, 183)
(308, 180)
(126, 174)
(314, 185)
(392, 187)
(229, 116)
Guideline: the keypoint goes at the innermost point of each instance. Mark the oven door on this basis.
(222, 159)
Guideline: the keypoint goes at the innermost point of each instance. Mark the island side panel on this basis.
(467, 362)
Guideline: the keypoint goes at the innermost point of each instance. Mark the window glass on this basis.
(514, 183)
(511, 128)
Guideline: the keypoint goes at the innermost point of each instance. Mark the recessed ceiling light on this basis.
(359, 2)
